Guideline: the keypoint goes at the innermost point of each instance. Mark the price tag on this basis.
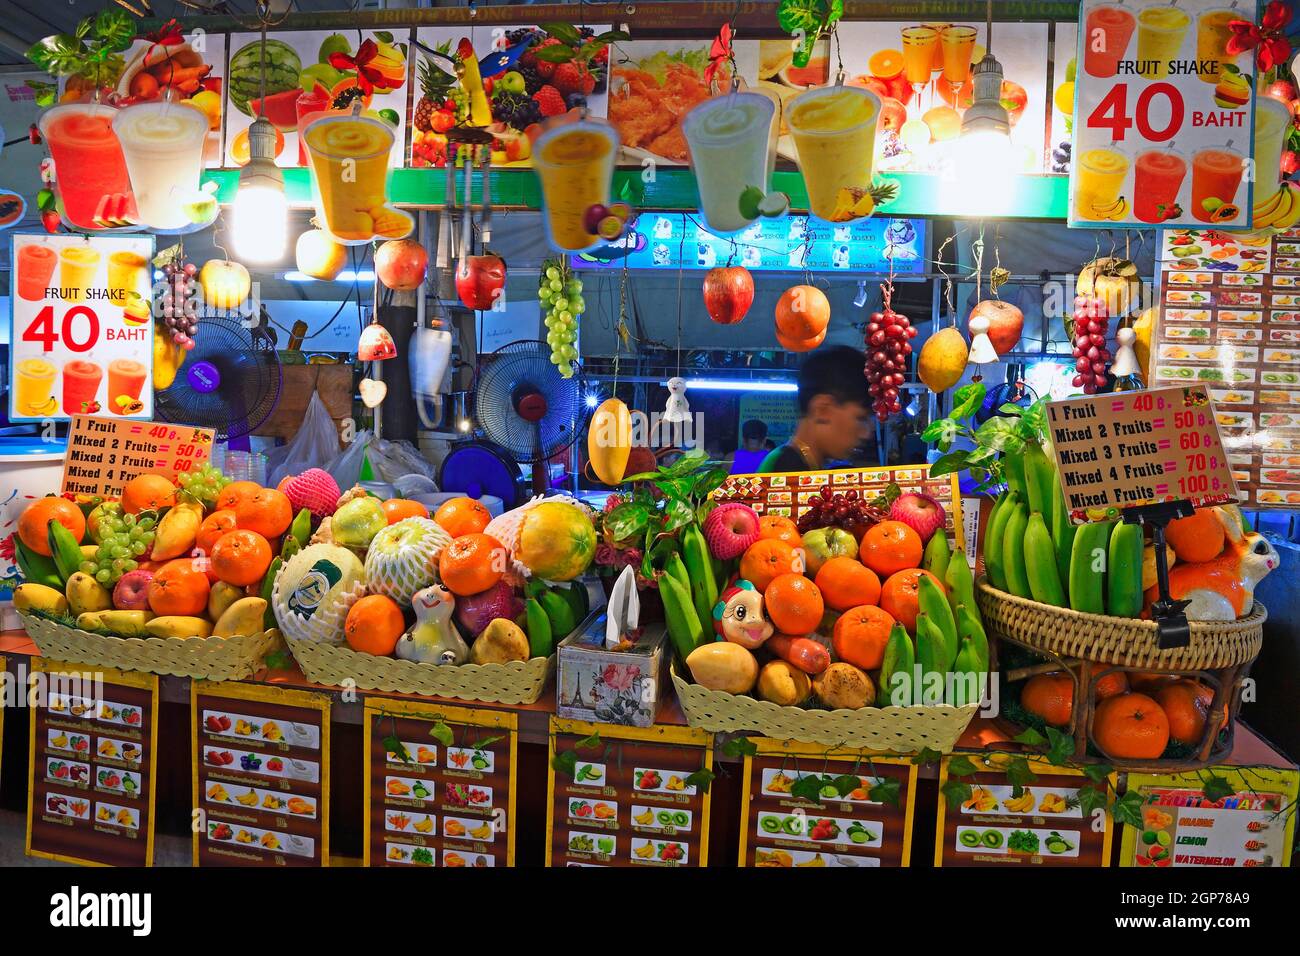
(1164, 118)
(106, 453)
(80, 329)
(1131, 449)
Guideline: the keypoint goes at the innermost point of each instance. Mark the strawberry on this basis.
(544, 69)
(549, 99)
(50, 220)
(573, 78)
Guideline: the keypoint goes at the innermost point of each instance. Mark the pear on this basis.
(85, 594)
(221, 597)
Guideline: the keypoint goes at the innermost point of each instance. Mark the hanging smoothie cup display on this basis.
(89, 166)
(349, 173)
(162, 143)
(834, 132)
(575, 165)
(732, 152)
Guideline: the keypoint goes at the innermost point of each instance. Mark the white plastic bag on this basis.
(314, 446)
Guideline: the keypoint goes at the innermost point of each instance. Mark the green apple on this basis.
(357, 522)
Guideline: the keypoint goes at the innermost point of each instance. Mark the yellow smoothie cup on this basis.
(834, 131)
(77, 268)
(34, 387)
(1160, 36)
(1212, 35)
(349, 163)
(1272, 120)
(1098, 183)
(575, 164)
(126, 272)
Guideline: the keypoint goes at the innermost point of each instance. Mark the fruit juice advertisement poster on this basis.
(1250, 825)
(807, 806)
(525, 91)
(261, 772)
(311, 74)
(1061, 119)
(627, 796)
(191, 71)
(93, 743)
(1038, 824)
(439, 785)
(1164, 118)
(104, 454)
(922, 73)
(80, 331)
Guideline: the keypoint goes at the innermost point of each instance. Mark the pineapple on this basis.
(854, 203)
(434, 87)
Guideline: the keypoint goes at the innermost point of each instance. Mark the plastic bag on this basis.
(314, 446)
(389, 461)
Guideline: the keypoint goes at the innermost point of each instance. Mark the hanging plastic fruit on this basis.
(1091, 322)
(560, 292)
(888, 342)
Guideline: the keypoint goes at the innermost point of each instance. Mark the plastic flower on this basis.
(1267, 39)
(720, 53)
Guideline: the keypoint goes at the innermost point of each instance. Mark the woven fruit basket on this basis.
(516, 682)
(204, 658)
(896, 729)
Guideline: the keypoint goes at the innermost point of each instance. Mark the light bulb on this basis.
(260, 216)
(980, 180)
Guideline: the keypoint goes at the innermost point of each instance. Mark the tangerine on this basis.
(899, 595)
(33, 526)
(889, 547)
(241, 557)
(373, 625)
(860, 636)
(1148, 682)
(886, 64)
(1049, 696)
(800, 345)
(458, 516)
(766, 559)
(178, 587)
(802, 312)
(472, 563)
(266, 511)
(213, 527)
(1131, 727)
(396, 509)
(846, 582)
(235, 492)
(781, 528)
(794, 604)
(1116, 682)
(1186, 704)
(1199, 537)
(147, 493)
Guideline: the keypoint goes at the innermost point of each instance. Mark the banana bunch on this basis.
(1021, 804)
(689, 589)
(1279, 211)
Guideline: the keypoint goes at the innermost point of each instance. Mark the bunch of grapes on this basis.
(847, 510)
(178, 303)
(560, 291)
(1091, 322)
(124, 541)
(203, 484)
(888, 347)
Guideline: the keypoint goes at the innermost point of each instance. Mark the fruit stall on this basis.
(943, 516)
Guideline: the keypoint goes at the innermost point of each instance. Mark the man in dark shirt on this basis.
(752, 451)
(834, 412)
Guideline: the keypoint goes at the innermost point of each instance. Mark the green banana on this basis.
(968, 663)
(1088, 586)
(933, 601)
(931, 657)
(1013, 467)
(534, 588)
(1040, 563)
(1124, 571)
(703, 586)
(65, 549)
(993, 538)
(575, 598)
(1038, 477)
(36, 568)
(684, 627)
(959, 581)
(1013, 550)
(582, 600)
(268, 588)
(301, 527)
(674, 565)
(541, 639)
(937, 554)
(970, 630)
(900, 658)
(1062, 536)
(559, 612)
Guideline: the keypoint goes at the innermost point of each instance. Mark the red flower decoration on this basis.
(1267, 40)
(367, 76)
(719, 53)
(7, 550)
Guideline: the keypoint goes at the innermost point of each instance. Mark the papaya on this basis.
(609, 441)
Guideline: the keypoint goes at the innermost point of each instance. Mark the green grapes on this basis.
(203, 484)
(123, 541)
(560, 291)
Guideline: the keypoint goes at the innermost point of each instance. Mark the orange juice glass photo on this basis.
(81, 380)
(575, 164)
(34, 387)
(1212, 35)
(77, 268)
(125, 382)
(36, 263)
(920, 47)
(1216, 175)
(958, 44)
(1107, 31)
(127, 272)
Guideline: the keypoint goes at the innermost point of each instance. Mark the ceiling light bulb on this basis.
(260, 214)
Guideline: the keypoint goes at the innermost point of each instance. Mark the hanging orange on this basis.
(802, 312)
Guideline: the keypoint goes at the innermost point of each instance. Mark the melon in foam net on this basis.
(314, 591)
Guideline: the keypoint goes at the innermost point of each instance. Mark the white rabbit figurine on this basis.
(433, 639)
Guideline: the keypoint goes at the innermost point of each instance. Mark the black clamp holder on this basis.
(1171, 623)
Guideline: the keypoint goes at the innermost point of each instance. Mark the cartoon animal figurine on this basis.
(677, 409)
(739, 616)
(433, 639)
(1222, 589)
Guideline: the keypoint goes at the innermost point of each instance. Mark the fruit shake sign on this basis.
(1163, 116)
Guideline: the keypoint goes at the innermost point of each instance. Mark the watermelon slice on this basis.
(116, 210)
(279, 108)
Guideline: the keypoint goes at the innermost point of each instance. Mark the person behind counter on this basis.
(754, 447)
(834, 412)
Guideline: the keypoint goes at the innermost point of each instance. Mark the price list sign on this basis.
(261, 775)
(91, 788)
(1041, 823)
(105, 453)
(1127, 450)
(628, 796)
(807, 806)
(440, 785)
(1164, 117)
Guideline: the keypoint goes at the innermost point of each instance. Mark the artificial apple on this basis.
(730, 529)
(131, 593)
(822, 544)
(225, 284)
(319, 256)
(892, 114)
(400, 264)
(728, 294)
(479, 280)
(920, 512)
(1281, 90)
(1006, 322)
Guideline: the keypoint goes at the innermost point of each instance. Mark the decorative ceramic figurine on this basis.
(739, 616)
(1223, 588)
(677, 409)
(433, 638)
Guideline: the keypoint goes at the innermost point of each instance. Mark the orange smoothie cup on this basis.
(36, 264)
(1111, 28)
(125, 381)
(1216, 174)
(1157, 177)
(80, 386)
(34, 387)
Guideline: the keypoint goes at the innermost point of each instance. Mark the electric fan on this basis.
(229, 382)
(525, 406)
(1008, 393)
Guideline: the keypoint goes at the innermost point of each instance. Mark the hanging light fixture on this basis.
(260, 216)
(983, 161)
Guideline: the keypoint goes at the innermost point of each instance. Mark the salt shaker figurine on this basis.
(677, 409)
(1125, 368)
(982, 351)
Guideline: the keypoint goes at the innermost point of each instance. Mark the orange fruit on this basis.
(178, 588)
(266, 511)
(1148, 682)
(33, 525)
(800, 345)
(860, 636)
(459, 516)
(213, 527)
(781, 528)
(1113, 683)
(241, 557)
(794, 604)
(886, 64)
(472, 563)
(890, 546)
(235, 492)
(899, 596)
(1199, 537)
(1131, 727)
(802, 312)
(766, 559)
(1049, 696)
(147, 493)
(395, 509)
(1186, 704)
(240, 150)
(845, 582)
(373, 625)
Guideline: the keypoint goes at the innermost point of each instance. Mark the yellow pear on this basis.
(221, 597)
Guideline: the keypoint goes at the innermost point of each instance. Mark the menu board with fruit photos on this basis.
(1249, 823)
(997, 823)
(261, 775)
(440, 785)
(91, 791)
(810, 806)
(1229, 317)
(628, 796)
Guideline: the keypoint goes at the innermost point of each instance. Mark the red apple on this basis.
(1006, 322)
(921, 513)
(893, 114)
(400, 264)
(1281, 90)
(131, 593)
(728, 294)
(730, 529)
(1014, 99)
(479, 280)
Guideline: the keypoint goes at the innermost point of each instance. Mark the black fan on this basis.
(525, 406)
(1008, 393)
(230, 381)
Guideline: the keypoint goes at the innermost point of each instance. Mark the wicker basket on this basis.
(518, 682)
(896, 729)
(206, 658)
(1127, 642)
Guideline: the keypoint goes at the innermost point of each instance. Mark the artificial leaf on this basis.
(383, 36)
(998, 433)
(886, 790)
(1030, 738)
(565, 763)
(929, 756)
(807, 788)
(1060, 747)
(44, 93)
(737, 747)
(556, 53)
(58, 55)
(710, 480)
(276, 660)
(687, 463)
(846, 783)
(956, 793)
(1091, 798)
(1019, 773)
(487, 742)
(967, 400)
(942, 432)
(114, 29)
(441, 733)
(1128, 809)
(1216, 788)
(564, 32)
(678, 513)
(1008, 408)
(948, 464)
(627, 520)
(395, 747)
(961, 766)
(612, 36)
(701, 778)
(1097, 772)
(589, 743)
